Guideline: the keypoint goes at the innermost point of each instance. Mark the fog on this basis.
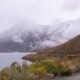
(41, 12)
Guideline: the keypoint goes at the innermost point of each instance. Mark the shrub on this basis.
(66, 67)
(51, 66)
(63, 68)
(66, 72)
(39, 71)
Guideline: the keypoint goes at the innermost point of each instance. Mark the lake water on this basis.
(6, 59)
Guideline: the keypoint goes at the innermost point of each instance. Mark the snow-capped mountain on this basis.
(25, 36)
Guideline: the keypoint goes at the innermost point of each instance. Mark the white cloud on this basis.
(71, 9)
(38, 11)
(72, 4)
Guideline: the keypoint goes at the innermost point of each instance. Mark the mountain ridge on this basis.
(71, 49)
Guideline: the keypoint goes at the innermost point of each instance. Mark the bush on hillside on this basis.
(38, 70)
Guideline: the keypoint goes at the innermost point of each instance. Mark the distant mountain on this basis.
(70, 48)
(25, 36)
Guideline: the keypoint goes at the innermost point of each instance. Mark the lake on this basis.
(6, 59)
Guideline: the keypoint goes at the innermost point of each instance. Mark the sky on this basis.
(38, 11)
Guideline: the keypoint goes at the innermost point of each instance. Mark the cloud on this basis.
(11, 11)
(72, 4)
(38, 11)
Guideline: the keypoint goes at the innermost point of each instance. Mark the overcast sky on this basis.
(38, 11)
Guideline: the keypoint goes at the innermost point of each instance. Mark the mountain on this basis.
(70, 48)
(25, 36)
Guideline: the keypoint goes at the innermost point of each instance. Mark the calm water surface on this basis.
(6, 59)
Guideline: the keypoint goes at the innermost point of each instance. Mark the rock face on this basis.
(71, 48)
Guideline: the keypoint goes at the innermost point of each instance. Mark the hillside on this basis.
(70, 48)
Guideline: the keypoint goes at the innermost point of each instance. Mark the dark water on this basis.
(6, 59)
